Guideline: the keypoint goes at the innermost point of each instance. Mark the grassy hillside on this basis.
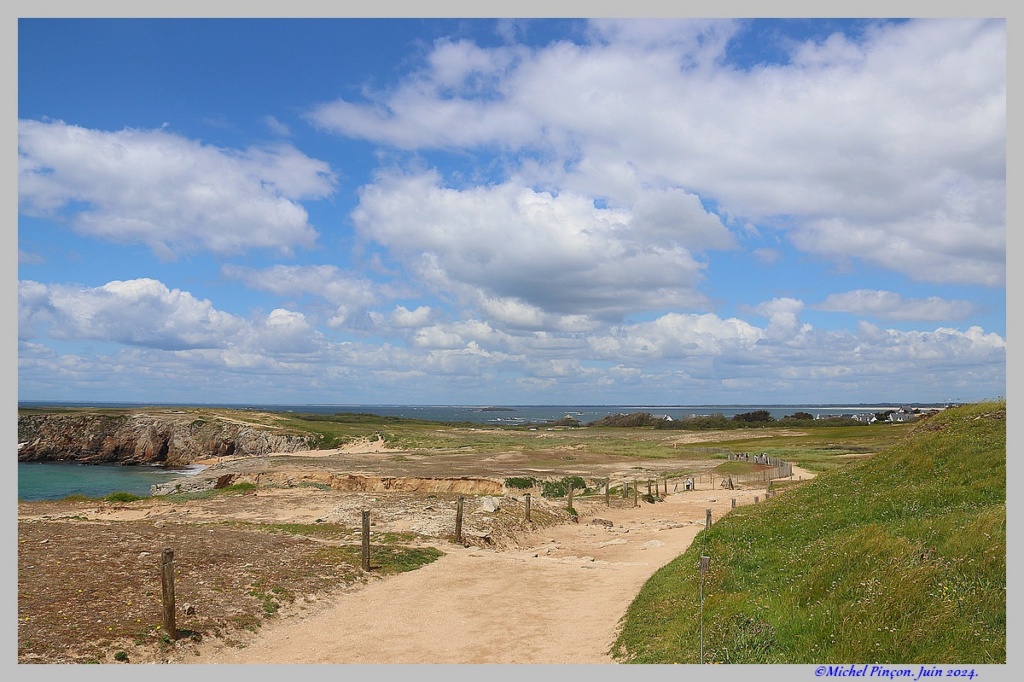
(900, 558)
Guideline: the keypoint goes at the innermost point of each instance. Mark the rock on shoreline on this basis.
(143, 438)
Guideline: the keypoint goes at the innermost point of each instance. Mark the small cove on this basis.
(56, 480)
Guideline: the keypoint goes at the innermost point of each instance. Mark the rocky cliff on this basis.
(142, 438)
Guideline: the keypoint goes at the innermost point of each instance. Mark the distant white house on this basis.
(904, 414)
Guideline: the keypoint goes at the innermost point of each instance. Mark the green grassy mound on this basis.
(897, 559)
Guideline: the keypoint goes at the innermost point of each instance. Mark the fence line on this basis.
(779, 469)
(657, 485)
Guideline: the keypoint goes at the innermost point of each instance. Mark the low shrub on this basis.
(121, 496)
(521, 482)
(560, 488)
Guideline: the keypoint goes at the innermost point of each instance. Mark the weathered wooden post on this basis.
(648, 487)
(755, 499)
(167, 583)
(366, 540)
(458, 520)
(625, 488)
(707, 518)
(607, 492)
(734, 503)
(527, 506)
(570, 495)
(636, 494)
(666, 487)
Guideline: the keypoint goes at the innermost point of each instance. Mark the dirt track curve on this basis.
(557, 598)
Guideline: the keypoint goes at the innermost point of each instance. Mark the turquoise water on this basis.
(56, 480)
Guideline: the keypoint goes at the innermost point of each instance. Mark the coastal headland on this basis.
(573, 575)
(267, 546)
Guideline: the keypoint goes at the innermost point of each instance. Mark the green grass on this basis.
(899, 558)
(121, 496)
(736, 468)
(815, 449)
(390, 554)
(319, 531)
(385, 559)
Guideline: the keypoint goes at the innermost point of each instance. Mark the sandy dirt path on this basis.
(557, 598)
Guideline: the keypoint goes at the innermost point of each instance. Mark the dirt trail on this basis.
(557, 598)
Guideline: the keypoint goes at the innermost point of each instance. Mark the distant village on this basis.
(894, 416)
(903, 414)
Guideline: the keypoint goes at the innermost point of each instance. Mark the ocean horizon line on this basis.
(506, 414)
(120, 403)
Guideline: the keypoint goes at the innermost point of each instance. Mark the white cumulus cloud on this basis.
(141, 312)
(522, 252)
(172, 194)
(889, 305)
(888, 148)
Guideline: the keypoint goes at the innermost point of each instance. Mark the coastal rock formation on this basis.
(290, 478)
(141, 438)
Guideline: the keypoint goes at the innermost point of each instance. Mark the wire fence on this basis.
(778, 469)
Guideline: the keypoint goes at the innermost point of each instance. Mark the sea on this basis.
(56, 480)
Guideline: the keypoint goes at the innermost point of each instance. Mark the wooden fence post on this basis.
(707, 518)
(458, 520)
(607, 492)
(167, 583)
(527, 506)
(648, 487)
(570, 495)
(366, 540)
(636, 494)
(734, 503)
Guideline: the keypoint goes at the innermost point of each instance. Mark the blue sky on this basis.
(478, 211)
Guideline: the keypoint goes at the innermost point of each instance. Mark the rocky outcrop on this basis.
(291, 478)
(148, 439)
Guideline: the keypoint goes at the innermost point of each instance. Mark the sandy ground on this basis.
(362, 446)
(555, 598)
